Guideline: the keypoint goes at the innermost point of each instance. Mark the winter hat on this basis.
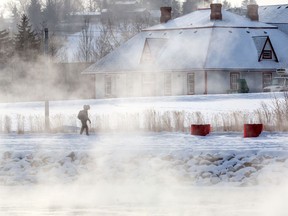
(86, 107)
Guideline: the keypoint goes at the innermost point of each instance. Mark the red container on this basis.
(200, 129)
(252, 130)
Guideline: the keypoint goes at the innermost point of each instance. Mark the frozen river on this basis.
(144, 174)
(148, 200)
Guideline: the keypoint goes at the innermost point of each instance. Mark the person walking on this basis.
(83, 117)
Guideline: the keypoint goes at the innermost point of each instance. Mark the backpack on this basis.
(81, 115)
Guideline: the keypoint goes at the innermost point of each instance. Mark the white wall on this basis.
(199, 82)
(100, 86)
(218, 82)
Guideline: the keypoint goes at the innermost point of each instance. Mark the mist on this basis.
(117, 174)
(44, 80)
(138, 172)
(139, 159)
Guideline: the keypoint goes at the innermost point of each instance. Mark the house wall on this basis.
(218, 82)
(153, 84)
(178, 83)
(120, 85)
(199, 82)
(100, 86)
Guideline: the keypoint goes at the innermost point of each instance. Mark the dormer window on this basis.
(146, 55)
(265, 48)
(152, 49)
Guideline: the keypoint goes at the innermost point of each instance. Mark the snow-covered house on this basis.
(204, 52)
(275, 15)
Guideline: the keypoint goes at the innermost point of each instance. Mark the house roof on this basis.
(201, 19)
(273, 13)
(194, 42)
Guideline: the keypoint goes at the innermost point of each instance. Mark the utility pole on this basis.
(47, 120)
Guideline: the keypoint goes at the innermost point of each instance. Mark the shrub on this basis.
(20, 124)
(7, 124)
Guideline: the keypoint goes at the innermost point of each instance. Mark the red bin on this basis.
(200, 129)
(252, 130)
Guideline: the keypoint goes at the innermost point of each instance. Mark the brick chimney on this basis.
(252, 12)
(165, 14)
(216, 13)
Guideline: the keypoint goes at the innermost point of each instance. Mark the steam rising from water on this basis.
(140, 175)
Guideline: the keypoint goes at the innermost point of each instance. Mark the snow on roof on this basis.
(273, 13)
(194, 42)
(201, 19)
(259, 43)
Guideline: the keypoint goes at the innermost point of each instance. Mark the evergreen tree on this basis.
(27, 43)
(189, 6)
(6, 46)
(51, 15)
(35, 14)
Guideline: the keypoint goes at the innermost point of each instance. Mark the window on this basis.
(267, 54)
(152, 48)
(265, 48)
(190, 83)
(146, 55)
(108, 85)
(234, 77)
(267, 79)
(167, 84)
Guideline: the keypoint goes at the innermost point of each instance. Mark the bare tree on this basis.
(94, 5)
(226, 4)
(105, 42)
(247, 2)
(86, 44)
(55, 44)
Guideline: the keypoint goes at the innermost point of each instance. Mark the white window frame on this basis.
(266, 78)
(108, 85)
(191, 83)
(234, 84)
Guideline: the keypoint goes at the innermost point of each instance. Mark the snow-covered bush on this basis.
(274, 115)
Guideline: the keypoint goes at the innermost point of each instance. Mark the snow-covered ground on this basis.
(117, 109)
(203, 103)
(144, 173)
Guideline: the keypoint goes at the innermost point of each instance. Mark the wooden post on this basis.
(46, 41)
(47, 120)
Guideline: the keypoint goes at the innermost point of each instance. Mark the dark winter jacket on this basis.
(83, 116)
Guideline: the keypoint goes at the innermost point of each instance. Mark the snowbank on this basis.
(149, 158)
